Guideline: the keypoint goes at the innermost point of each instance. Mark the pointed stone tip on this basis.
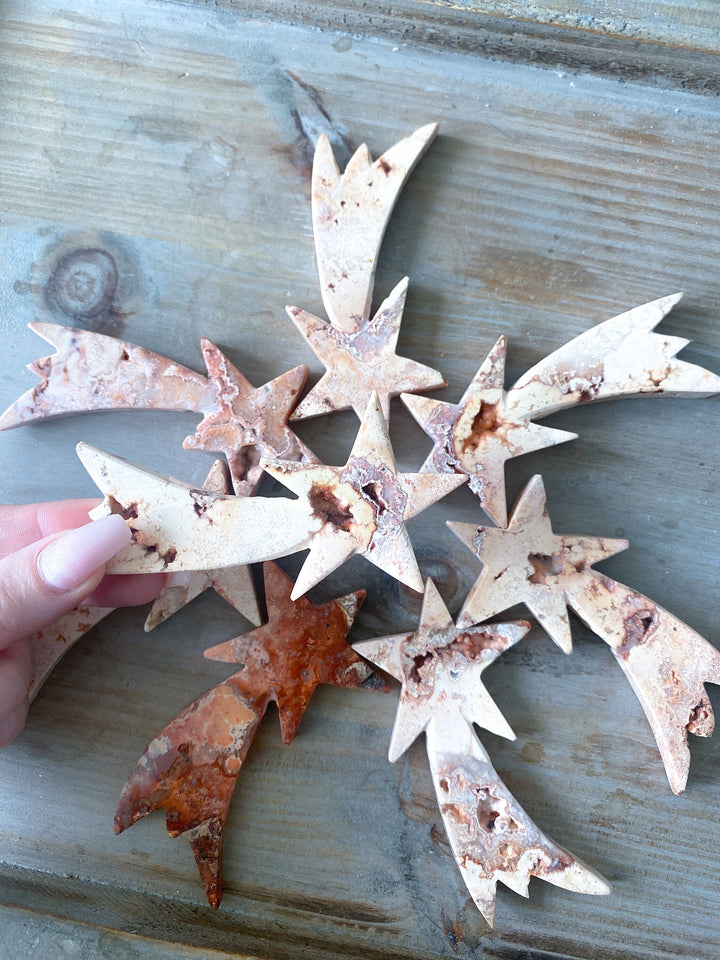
(298, 591)
(86, 452)
(9, 419)
(427, 132)
(464, 621)
(488, 912)
(46, 330)
(677, 779)
(565, 645)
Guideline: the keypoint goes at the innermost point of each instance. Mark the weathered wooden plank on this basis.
(666, 43)
(177, 139)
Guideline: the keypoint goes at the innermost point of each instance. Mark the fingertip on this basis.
(70, 560)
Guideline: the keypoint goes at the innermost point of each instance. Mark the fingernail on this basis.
(67, 562)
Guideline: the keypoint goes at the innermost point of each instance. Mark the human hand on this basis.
(51, 560)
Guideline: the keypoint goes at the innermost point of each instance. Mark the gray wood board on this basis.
(655, 41)
(179, 140)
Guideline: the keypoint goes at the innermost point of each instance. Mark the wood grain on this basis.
(661, 42)
(178, 139)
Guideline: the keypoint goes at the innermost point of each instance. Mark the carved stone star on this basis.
(477, 435)
(361, 361)
(248, 422)
(439, 667)
(666, 662)
(363, 505)
(190, 768)
(234, 584)
(302, 645)
(491, 836)
(528, 563)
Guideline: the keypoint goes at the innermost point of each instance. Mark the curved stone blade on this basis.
(666, 662)
(350, 212)
(618, 358)
(48, 646)
(190, 769)
(91, 371)
(179, 527)
(492, 837)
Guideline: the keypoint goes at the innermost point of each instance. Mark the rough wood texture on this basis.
(662, 43)
(177, 138)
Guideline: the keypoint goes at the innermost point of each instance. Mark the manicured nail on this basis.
(70, 560)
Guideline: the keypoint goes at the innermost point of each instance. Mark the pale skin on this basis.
(45, 571)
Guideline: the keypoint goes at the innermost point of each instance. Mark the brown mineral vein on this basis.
(234, 584)
(666, 662)
(350, 212)
(247, 423)
(190, 769)
(621, 357)
(478, 435)
(492, 838)
(91, 371)
(362, 506)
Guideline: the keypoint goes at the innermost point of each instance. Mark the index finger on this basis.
(22, 525)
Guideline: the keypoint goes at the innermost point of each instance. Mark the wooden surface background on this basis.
(576, 175)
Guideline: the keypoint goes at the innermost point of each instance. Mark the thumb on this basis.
(44, 580)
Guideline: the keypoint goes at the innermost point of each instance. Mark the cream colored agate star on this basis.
(362, 361)
(666, 662)
(478, 435)
(524, 563)
(363, 505)
(247, 422)
(492, 837)
(234, 584)
(439, 667)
